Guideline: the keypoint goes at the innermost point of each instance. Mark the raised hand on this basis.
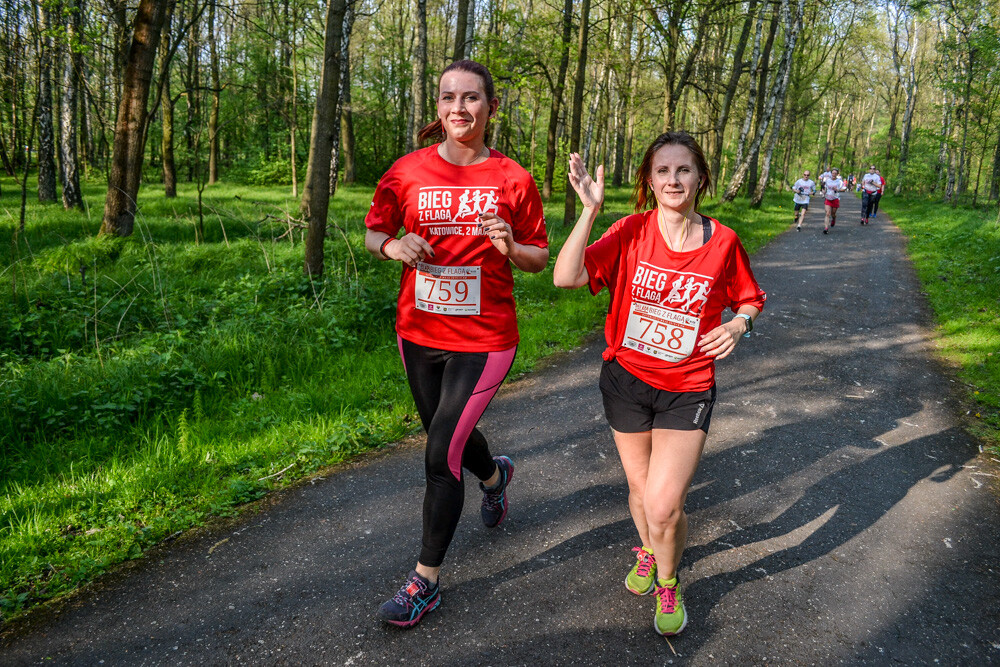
(590, 191)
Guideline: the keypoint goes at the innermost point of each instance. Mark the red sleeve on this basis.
(529, 226)
(602, 257)
(385, 214)
(743, 289)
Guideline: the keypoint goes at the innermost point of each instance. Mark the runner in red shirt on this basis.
(671, 272)
(467, 213)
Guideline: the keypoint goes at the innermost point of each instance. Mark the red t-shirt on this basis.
(462, 298)
(663, 301)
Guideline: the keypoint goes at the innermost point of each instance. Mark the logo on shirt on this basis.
(687, 293)
(455, 210)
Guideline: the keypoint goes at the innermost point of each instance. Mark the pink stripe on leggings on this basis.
(497, 366)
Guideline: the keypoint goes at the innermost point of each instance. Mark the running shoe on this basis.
(826, 231)
(641, 579)
(416, 597)
(494, 509)
(798, 228)
(833, 223)
(671, 617)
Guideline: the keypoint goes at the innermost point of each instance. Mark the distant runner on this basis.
(870, 185)
(803, 188)
(878, 195)
(671, 272)
(823, 178)
(832, 188)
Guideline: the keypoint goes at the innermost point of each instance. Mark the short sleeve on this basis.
(529, 227)
(602, 258)
(386, 214)
(743, 289)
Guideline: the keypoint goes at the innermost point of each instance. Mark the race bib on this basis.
(660, 332)
(447, 290)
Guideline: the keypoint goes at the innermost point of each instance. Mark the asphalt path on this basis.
(839, 516)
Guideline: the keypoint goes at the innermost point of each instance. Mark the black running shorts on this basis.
(632, 406)
(799, 207)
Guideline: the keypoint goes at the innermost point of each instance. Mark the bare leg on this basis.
(634, 450)
(672, 464)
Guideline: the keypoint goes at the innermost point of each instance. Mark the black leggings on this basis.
(868, 204)
(451, 390)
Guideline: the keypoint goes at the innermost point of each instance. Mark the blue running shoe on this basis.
(414, 599)
(494, 509)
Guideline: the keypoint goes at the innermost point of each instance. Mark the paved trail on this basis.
(839, 516)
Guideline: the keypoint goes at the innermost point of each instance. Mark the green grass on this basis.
(957, 255)
(151, 384)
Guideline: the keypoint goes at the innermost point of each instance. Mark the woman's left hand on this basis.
(721, 340)
(500, 233)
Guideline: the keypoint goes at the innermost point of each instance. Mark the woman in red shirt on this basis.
(671, 272)
(467, 213)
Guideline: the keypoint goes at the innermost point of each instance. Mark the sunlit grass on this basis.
(957, 255)
(150, 384)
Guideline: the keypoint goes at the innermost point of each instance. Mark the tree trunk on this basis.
(419, 88)
(793, 26)
(946, 108)
(462, 23)
(126, 160)
(751, 104)
(167, 108)
(995, 178)
(734, 80)
(213, 114)
(963, 177)
(762, 81)
(569, 212)
(346, 117)
(192, 121)
(911, 103)
(46, 131)
(316, 194)
(69, 164)
(345, 48)
(558, 91)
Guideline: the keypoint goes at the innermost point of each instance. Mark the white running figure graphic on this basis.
(693, 293)
(476, 202)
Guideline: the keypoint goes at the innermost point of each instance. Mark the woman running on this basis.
(832, 187)
(467, 213)
(671, 272)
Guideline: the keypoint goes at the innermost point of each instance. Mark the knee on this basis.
(438, 470)
(637, 490)
(663, 516)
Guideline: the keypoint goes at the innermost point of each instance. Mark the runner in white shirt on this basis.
(870, 185)
(832, 187)
(803, 189)
(823, 178)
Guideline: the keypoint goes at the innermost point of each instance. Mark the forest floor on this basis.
(840, 514)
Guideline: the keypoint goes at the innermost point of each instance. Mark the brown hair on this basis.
(434, 131)
(642, 194)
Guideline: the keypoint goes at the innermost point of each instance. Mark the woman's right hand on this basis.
(409, 249)
(590, 191)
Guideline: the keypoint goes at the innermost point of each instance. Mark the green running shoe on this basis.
(671, 617)
(641, 578)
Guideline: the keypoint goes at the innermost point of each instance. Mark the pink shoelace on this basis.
(646, 561)
(668, 598)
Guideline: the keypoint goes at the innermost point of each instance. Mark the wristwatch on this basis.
(749, 323)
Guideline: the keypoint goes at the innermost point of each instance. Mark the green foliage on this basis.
(271, 171)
